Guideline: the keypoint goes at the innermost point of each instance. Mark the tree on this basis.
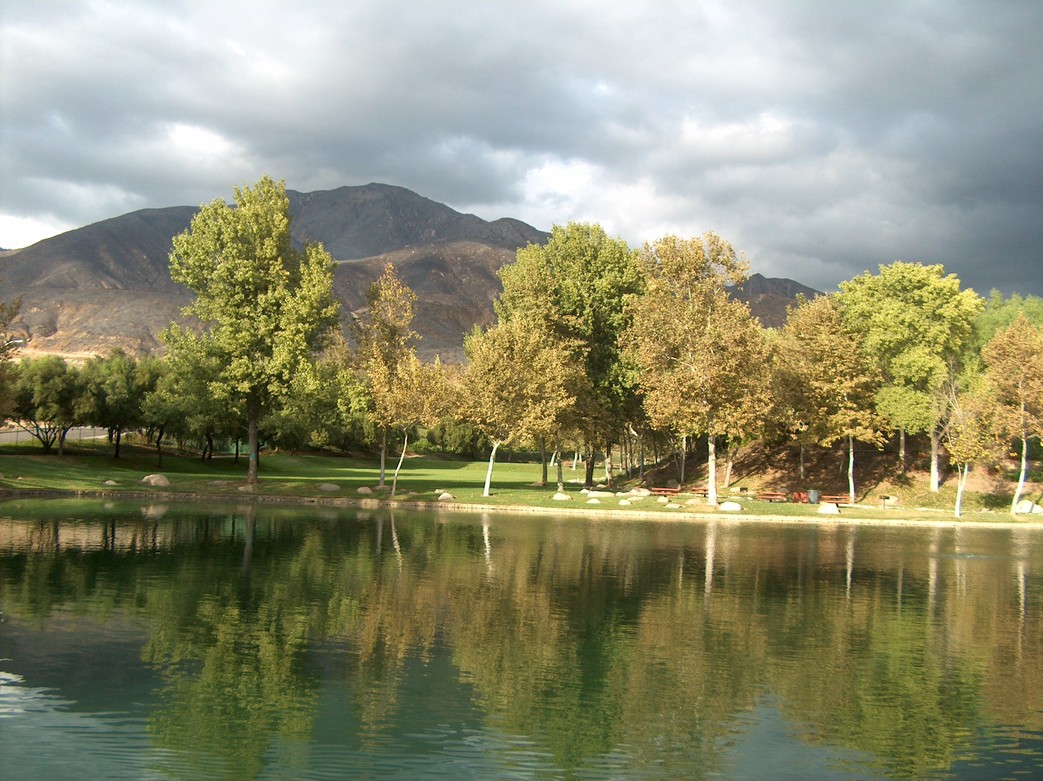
(1014, 361)
(971, 436)
(574, 290)
(8, 345)
(47, 395)
(385, 343)
(420, 397)
(917, 325)
(113, 395)
(703, 357)
(265, 306)
(999, 312)
(828, 380)
(516, 384)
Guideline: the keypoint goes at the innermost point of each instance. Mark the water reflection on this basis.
(258, 642)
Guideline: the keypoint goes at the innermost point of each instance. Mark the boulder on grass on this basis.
(157, 481)
(828, 508)
(561, 497)
(730, 507)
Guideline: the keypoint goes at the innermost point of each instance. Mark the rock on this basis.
(365, 490)
(329, 488)
(663, 500)
(672, 506)
(602, 494)
(1028, 507)
(640, 492)
(624, 502)
(828, 508)
(111, 482)
(160, 481)
(561, 497)
(890, 501)
(445, 496)
(593, 501)
(730, 507)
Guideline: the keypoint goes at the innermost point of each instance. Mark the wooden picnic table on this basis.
(772, 496)
(664, 491)
(835, 498)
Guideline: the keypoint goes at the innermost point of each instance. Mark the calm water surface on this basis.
(257, 643)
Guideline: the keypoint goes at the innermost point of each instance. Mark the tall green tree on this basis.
(266, 307)
(1014, 360)
(828, 382)
(574, 290)
(917, 325)
(703, 357)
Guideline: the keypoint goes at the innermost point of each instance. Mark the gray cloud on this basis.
(821, 139)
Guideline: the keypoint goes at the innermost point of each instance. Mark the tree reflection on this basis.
(638, 646)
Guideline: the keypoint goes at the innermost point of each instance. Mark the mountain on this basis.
(769, 297)
(108, 284)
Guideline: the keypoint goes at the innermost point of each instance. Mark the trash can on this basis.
(814, 496)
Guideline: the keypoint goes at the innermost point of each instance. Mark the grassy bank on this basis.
(91, 469)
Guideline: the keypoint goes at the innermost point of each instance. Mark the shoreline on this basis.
(13, 494)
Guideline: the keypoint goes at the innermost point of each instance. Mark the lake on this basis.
(260, 642)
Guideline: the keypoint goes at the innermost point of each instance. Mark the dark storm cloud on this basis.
(821, 139)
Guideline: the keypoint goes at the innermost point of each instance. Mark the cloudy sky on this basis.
(821, 139)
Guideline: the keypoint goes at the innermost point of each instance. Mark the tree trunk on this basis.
(1021, 475)
(935, 448)
(489, 472)
(965, 470)
(851, 468)
(561, 476)
(543, 460)
(608, 464)
(159, 447)
(588, 480)
(383, 454)
(61, 441)
(803, 469)
(901, 449)
(682, 458)
(711, 461)
(401, 458)
(116, 440)
(253, 442)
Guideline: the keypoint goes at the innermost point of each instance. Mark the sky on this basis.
(822, 139)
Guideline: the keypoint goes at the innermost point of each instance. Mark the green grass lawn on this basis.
(90, 468)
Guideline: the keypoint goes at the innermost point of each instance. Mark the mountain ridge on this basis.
(108, 285)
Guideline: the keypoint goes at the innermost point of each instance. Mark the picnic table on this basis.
(835, 498)
(772, 496)
(664, 491)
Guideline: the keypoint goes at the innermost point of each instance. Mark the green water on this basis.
(211, 643)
